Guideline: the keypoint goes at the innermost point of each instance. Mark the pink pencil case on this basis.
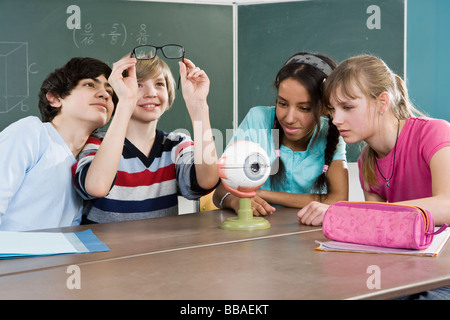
(380, 224)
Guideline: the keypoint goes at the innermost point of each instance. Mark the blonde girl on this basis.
(406, 157)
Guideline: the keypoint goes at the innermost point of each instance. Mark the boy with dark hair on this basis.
(36, 156)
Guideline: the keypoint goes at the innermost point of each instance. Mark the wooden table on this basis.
(190, 257)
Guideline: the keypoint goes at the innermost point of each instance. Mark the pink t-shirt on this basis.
(418, 141)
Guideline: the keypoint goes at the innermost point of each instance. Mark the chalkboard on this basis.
(38, 36)
(269, 33)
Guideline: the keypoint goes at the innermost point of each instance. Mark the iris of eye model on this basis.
(243, 168)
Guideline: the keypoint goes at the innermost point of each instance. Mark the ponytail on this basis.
(405, 108)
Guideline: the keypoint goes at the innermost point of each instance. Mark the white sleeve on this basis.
(20, 148)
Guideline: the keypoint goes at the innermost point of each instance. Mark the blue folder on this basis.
(32, 244)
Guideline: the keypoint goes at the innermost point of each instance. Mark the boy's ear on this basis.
(53, 100)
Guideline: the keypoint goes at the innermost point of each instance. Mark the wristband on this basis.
(223, 198)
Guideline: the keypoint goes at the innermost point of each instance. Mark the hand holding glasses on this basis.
(148, 52)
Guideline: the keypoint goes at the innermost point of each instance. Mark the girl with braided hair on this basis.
(307, 155)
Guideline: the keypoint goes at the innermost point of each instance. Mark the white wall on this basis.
(355, 191)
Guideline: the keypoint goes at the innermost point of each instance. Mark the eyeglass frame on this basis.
(133, 52)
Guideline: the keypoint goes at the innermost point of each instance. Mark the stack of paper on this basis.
(432, 251)
(28, 244)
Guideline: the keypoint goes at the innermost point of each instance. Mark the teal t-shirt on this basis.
(302, 167)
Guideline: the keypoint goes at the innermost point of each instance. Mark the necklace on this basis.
(393, 162)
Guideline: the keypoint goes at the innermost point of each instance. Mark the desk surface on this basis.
(190, 257)
(160, 235)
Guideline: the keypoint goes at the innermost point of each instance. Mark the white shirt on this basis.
(36, 190)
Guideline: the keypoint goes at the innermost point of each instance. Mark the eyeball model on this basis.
(243, 168)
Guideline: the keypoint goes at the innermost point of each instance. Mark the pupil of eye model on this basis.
(254, 167)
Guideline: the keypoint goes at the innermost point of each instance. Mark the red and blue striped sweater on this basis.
(144, 187)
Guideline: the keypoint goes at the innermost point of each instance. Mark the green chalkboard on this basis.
(269, 33)
(38, 36)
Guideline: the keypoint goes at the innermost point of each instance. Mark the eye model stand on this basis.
(245, 219)
(243, 168)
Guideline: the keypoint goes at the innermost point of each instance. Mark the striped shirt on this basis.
(144, 187)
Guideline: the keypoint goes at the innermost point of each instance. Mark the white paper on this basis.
(34, 243)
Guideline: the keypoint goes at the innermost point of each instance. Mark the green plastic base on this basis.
(245, 219)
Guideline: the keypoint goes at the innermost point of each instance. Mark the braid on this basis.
(332, 141)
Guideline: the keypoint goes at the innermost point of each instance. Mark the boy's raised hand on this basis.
(194, 82)
(103, 168)
(126, 88)
(195, 86)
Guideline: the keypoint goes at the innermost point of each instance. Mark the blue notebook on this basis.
(31, 244)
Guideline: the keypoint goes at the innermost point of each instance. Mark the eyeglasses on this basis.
(148, 52)
(170, 51)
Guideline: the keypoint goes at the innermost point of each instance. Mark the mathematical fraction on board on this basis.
(116, 34)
